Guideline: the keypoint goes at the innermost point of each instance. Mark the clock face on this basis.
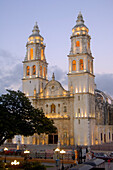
(53, 88)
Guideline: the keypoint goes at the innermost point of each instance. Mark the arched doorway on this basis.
(53, 139)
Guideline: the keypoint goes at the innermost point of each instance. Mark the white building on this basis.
(73, 111)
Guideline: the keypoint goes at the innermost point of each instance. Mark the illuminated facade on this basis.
(34, 64)
(75, 112)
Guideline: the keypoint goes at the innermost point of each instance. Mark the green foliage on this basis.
(2, 165)
(24, 165)
(33, 165)
(19, 117)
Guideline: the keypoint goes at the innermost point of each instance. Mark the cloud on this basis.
(11, 75)
(60, 75)
(104, 83)
(10, 72)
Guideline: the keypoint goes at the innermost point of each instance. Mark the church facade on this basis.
(82, 114)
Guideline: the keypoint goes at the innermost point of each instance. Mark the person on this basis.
(109, 163)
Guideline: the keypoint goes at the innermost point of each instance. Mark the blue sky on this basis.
(56, 19)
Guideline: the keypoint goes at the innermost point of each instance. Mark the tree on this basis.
(19, 117)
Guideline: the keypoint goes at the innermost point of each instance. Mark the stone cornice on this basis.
(84, 118)
(29, 61)
(79, 54)
(86, 72)
(35, 78)
(52, 98)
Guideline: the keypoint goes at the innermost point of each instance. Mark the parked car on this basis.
(1, 151)
(19, 152)
(111, 154)
(10, 152)
(103, 156)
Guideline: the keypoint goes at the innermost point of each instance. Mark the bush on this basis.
(33, 165)
(2, 165)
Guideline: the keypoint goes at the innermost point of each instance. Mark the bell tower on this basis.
(81, 80)
(34, 64)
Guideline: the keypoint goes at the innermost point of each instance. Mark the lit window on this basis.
(31, 53)
(83, 28)
(40, 70)
(34, 70)
(53, 108)
(27, 70)
(74, 65)
(88, 45)
(77, 44)
(81, 64)
(44, 72)
(88, 65)
(92, 66)
(42, 54)
(78, 33)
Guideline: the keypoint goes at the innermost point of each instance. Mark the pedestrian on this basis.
(109, 163)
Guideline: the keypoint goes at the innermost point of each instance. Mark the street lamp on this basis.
(57, 150)
(5, 149)
(15, 162)
(26, 152)
(62, 152)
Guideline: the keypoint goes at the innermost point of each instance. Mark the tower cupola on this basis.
(35, 29)
(35, 37)
(34, 64)
(80, 20)
(80, 39)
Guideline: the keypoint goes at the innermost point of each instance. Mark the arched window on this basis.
(81, 64)
(65, 109)
(88, 44)
(53, 108)
(74, 65)
(31, 53)
(77, 44)
(92, 66)
(27, 70)
(42, 54)
(88, 65)
(44, 72)
(34, 70)
(34, 91)
(40, 70)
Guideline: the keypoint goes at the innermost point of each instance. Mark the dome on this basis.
(80, 24)
(35, 31)
(35, 37)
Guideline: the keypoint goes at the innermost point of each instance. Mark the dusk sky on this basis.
(55, 19)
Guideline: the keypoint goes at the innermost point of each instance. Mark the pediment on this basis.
(53, 89)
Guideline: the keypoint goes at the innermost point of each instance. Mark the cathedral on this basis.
(82, 114)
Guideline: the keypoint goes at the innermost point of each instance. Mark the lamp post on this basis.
(26, 152)
(15, 162)
(57, 150)
(5, 149)
(62, 153)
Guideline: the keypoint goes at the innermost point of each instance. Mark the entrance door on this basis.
(52, 139)
(55, 139)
